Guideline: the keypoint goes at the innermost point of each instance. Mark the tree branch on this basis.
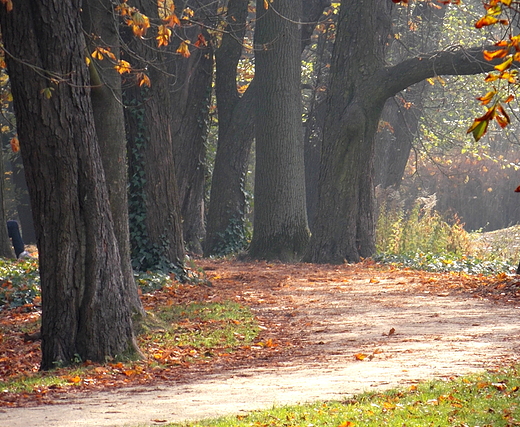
(458, 61)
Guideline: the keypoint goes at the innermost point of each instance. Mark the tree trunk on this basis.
(225, 219)
(225, 230)
(101, 28)
(401, 114)
(280, 219)
(191, 81)
(155, 221)
(360, 85)
(85, 308)
(316, 119)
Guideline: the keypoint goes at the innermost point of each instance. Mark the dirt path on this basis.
(409, 326)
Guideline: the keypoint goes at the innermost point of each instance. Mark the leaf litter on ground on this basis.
(236, 285)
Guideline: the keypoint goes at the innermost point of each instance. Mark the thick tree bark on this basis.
(155, 221)
(85, 310)
(101, 27)
(315, 121)
(280, 218)
(360, 85)
(191, 80)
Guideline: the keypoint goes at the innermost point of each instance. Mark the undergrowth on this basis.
(422, 239)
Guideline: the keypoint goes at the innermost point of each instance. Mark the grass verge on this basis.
(180, 335)
(484, 400)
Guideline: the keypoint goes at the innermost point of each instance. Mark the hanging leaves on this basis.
(510, 51)
(183, 49)
(100, 53)
(143, 80)
(123, 67)
(15, 144)
(163, 35)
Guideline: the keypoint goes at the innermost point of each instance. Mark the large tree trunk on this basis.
(280, 218)
(345, 206)
(101, 27)
(190, 98)
(155, 221)
(85, 307)
(360, 85)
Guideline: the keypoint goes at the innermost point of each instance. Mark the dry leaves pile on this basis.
(255, 284)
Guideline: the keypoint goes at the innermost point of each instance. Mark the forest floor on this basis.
(327, 332)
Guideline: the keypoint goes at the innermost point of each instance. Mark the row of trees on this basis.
(71, 125)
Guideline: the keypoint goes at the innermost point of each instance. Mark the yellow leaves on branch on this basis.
(123, 67)
(493, 11)
(143, 80)
(140, 23)
(101, 53)
(163, 35)
(497, 112)
(509, 50)
(183, 49)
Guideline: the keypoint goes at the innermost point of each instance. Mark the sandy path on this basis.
(332, 316)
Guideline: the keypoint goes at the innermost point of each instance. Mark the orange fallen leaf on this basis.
(360, 356)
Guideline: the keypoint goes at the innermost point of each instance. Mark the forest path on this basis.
(406, 326)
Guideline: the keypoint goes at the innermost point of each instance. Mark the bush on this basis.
(422, 229)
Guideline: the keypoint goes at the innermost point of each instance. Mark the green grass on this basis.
(203, 327)
(37, 381)
(178, 335)
(484, 399)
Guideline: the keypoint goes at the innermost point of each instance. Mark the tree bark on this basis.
(191, 81)
(101, 27)
(85, 310)
(360, 85)
(155, 220)
(280, 219)
(401, 114)
(225, 219)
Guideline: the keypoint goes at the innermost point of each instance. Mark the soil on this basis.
(328, 332)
